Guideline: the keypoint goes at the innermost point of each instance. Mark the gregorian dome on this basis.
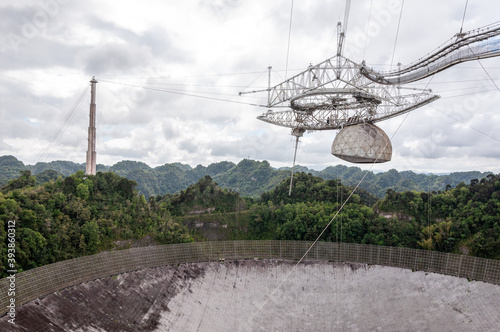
(362, 143)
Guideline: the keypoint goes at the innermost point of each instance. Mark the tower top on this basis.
(93, 80)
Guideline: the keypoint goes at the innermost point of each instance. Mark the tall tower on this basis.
(90, 168)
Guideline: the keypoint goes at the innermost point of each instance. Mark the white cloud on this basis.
(56, 82)
(194, 56)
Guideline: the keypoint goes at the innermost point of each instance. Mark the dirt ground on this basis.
(266, 295)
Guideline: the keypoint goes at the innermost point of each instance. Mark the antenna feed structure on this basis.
(298, 132)
(341, 94)
(91, 156)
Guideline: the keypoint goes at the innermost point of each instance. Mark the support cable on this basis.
(366, 30)
(468, 94)
(289, 37)
(429, 193)
(479, 61)
(320, 235)
(488, 74)
(56, 135)
(183, 93)
(429, 199)
(463, 18)
(338, 206)
(206, 85)
(465, 124)
(186, 76)
(397, 32)
(293, 165)
(286, 76)
(346, 16)
(492, 81)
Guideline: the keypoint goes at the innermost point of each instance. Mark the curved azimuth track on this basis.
(339, 93)
(334, 94)
(477, 44)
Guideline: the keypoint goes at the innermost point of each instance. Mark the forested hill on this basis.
(248, 177)
(464, 220)
(205, 196)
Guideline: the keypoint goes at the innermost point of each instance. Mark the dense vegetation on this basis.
(249, 178)
(9, 168)
(204, 196)
(314, 203)
(465, 219)
(78, 215)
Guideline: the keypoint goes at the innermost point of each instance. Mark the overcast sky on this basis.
(202, 53)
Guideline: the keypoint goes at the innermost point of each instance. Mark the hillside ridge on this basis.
(249, 177)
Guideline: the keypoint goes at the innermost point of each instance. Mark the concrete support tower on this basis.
(90, 168)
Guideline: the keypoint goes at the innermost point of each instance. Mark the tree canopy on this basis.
(77, 215)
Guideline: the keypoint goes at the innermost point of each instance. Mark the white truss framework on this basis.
(339, 92)
(472, 45)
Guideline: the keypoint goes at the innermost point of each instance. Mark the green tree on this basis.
(25, 180)
(90, 231)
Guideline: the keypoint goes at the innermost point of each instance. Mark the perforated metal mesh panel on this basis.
(362, 143)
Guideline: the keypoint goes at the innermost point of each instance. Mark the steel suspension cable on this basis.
(346, 15)
(488, 74)
(429, 199)
(56, 135)
(182, 93)
(463, 18)
(465, 124)
(293, 164)
(321, 234)
(366, 30)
